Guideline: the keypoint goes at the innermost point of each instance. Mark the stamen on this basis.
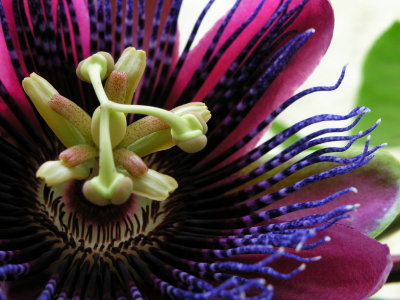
(185, 127)
(130, 162)
(154, 142)
(142, 128)
(56, 172)
(73, 113)
(154, 185)
(41, 92)
(116, 86)
(132, 62)
(78, 154)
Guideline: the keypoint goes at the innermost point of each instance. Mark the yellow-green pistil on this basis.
(103, 149)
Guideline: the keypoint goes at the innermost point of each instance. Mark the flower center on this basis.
(103, 150)
(92, 226)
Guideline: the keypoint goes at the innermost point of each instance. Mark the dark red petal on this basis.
(353, 267)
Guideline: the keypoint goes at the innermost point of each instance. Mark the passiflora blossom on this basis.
(130, 169)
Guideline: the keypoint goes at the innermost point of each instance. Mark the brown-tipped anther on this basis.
(130, 162)
(73, 113)
(132, 62)
(116, 86)
(78, 154)
(142, 128)
(194, 145)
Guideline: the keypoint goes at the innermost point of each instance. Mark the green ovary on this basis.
(103, 150)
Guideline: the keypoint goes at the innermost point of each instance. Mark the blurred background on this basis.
(358, 24)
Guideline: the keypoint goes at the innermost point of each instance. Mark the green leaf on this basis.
(380, 87)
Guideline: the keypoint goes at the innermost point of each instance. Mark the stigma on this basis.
(102, 149)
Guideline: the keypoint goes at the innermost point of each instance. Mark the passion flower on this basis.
(101, 202)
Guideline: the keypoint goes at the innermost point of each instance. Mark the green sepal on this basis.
(41, 92)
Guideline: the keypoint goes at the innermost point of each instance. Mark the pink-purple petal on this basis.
(9, 80)
(353, 267)
(378, 188)
(82, 16)
(316, 14)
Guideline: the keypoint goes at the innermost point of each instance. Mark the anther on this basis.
(73, 113)
(56, 172)
(154, 142)
(132, 62)
(78, 154)
(130, 162)
(142, 128)
(116, 86)
(154, 185)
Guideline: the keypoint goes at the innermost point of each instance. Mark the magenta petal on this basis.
(8, 76)
(378, 194)
(353, 267)
(316, 14)
(82, 16)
